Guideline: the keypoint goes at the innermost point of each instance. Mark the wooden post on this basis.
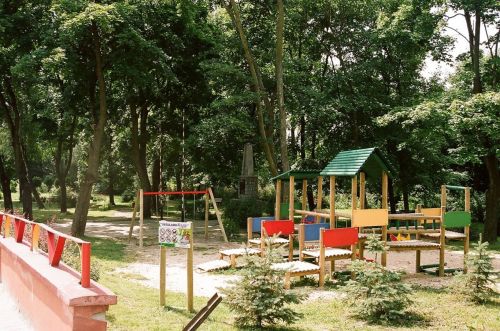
(442, 241)
(417, 237)
(321, 259)
(467, 228)
(292, 198)
(304, 194)
(277, 206)
(362, 190)
(301, 240)
(163, 271)
(134, 215)
(332, 202)
(383, 258)
(206, 215)
(190, 271)
(443, 197)
(319, 204)
(354, 193)
(385, 189)
(249, 229)
(141, 216)
(217, 213)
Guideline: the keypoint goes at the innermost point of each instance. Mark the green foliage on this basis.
(478, 283)
(376, 292)
(71, 256)
(259, 298)
(238, 210)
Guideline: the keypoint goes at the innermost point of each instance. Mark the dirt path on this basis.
(147, 265)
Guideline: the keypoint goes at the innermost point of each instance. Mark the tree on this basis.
(477, 129)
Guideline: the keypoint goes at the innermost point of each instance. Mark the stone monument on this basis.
(248, 180)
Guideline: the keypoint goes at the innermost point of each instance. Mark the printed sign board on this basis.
(175, 234)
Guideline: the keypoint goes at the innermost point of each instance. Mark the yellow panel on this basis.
(370, 217)
(431, 211)
(7, 227)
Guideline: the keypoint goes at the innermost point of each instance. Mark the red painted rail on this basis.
(175, 193)
(55, 242)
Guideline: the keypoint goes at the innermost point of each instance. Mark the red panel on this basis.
(85, 255)
(340, 237)
(19, 227)
(283, 228)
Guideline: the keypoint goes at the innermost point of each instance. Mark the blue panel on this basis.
(312, 230)
(256, 222)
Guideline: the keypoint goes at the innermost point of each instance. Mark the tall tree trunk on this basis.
(474, 50)
(280, 25)
(5, 181)
(139, 141)
(392, 199)
(303, 137)
(491, 226)
(258, 88)
(111, 173)
(61, 167)
(34, 191)
(155, 179)
(91, 175)
(13, 120)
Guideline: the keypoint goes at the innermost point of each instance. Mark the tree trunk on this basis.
(91, 175)
(13, 119)
(474, 50)
(155, 179)
(5, 181)
(258, 88)
(139, 141)
(280, 24)
(61, 167)
(491, 228)
(63, 204)
(303, 137)
(406, 202)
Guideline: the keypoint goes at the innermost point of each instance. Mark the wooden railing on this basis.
(55, 242)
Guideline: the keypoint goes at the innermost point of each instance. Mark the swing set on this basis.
(208, 196)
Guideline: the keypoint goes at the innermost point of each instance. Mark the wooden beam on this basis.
(277, 206)
(332, 202)
(354, 193)
(292, 198)
(206, 215)
(362, 190)
(189, 270)
(163, 270)
(319, 204)
(304, 194)
(217, 213)
(467, 228)
(141, 216)
(443, 197)
(442, 237)
(134, 216)
(385, 189)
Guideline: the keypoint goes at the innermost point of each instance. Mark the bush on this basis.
(71, 196)
(128, 196)
(71, 257)
(238, 210)
(259, 298)
(477, 284)
(377, 292)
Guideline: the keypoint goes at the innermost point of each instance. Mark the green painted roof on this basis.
(349, 163)
(298, 174)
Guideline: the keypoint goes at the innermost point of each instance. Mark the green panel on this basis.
(457, 219)
(452, 187)
(284, 210)
(349, 163)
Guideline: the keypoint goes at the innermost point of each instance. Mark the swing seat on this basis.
(296, 269)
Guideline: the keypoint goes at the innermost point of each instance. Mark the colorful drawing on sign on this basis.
(175, 234)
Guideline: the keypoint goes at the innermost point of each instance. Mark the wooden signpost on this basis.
(176, 234)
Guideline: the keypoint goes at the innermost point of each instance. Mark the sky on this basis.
(461, 45)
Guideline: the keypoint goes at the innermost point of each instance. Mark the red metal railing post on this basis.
(85, 255)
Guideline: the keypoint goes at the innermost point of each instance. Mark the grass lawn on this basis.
(138, 307)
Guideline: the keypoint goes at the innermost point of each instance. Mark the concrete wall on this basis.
(51, 297)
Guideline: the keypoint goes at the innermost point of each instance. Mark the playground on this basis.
(158, 272)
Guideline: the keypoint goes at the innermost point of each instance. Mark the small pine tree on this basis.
(377, 292)
(477, 284)
(259, 298)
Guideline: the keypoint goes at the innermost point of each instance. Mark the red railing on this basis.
(176, 193)
(55, 242)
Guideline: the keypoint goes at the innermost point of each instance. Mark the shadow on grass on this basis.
(107, 249)
(273, 328)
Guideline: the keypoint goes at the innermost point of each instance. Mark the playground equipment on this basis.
(451, 219)
(272, 233)
(209, 196)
